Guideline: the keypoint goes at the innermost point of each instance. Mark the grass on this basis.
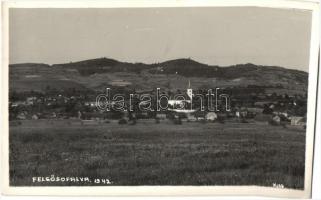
(158, 154)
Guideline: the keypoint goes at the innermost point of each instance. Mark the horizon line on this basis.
(159, 62)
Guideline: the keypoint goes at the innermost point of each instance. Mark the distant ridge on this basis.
(180, 62)
(100, 71)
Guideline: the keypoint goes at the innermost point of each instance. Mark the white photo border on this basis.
(311, 5)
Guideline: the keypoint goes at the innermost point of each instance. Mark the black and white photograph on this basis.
(161, 96)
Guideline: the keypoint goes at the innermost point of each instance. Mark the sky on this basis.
(212, 35)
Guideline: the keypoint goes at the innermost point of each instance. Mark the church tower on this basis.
(189, 90)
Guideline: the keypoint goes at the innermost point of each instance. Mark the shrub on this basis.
(244, 121)
(272, 122)
(157, 120)
(122, 121)
(133, 122)
(178, 121)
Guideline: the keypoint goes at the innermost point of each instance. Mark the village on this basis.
(244, 105)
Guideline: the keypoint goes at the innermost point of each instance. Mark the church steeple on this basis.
(189, 90)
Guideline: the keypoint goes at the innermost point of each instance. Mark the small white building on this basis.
(161, 116)
(30, 100)
(298, 121)
(22, 116)
(276, 119)
(190, 117)
(211, 116)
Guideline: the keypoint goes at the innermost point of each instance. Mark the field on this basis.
(158, 154)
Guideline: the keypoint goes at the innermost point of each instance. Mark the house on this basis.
(211, 116)
(255, 110)
(261, 104)
(190, 117)
(298, 121)
(120, 83)
(22, 116)
(241, 113)
(34, 117)
(54, 115)
(79, 115)
(147, 91)
(283, 115)
(176, 103)
(161, 116)
(276, 119)
(90, 103)
(18, 103)
(142, 115)
(30, 100)
(200, 115)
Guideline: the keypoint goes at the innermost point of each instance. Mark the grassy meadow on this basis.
(158, 154)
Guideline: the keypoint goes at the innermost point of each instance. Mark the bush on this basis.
(122, 121)
(157, 120)
(220, 120)
(244, 121)
(178, 121)
(133, 122)
(273, 123)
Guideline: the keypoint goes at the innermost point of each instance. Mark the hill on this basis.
(96, 74)
(102, 65)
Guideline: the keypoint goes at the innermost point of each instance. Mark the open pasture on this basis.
(158, 154)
